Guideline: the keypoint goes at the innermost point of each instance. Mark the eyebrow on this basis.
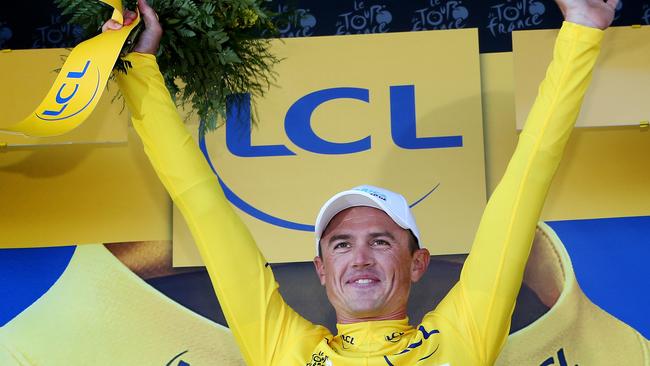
(338, 237)
(382, 234)
(372, 235)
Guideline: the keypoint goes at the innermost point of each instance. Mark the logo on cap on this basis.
(372, 193)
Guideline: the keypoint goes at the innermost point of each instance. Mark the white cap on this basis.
(393, 204)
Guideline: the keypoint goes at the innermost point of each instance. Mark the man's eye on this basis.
(342, 245)
(380, 242)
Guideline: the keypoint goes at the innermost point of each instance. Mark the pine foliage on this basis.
(210, 48)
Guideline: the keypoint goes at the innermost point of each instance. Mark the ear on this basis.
(419, 264)
(320, 269)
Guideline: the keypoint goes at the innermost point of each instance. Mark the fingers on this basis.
(111, 25)
(148, 14)
(129, 17)
(150, 38)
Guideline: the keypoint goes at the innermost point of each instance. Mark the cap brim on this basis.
(340, 202)
(345, 200)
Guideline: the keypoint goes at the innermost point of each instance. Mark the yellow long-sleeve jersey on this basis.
(469, 327)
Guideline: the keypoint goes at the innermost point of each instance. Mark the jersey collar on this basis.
(372, 337)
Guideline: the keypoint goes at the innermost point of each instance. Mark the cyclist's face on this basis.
(366, 265)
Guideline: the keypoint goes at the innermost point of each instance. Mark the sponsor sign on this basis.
(400, 111)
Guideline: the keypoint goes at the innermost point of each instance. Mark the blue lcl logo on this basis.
(297, 125)
(64, 95)
(298, 128)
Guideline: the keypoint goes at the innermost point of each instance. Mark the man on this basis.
(368, 241)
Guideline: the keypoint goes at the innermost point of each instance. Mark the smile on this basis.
(363, 281)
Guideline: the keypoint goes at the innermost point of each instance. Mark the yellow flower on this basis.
(249, 17)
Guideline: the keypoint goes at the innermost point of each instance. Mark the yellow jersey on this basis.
(470, 325)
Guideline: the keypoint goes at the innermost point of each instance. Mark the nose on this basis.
(362, 256)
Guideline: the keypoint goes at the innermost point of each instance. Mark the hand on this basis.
(591, 13)
(149, 38)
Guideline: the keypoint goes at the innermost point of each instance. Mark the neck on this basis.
(342, 318)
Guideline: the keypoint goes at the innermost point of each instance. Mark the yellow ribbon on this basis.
(80, 83)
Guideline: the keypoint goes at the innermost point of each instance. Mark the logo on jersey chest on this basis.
(348, 341)
(426, 335)
(319, 359)
(394, 337)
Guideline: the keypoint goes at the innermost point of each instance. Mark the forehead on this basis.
(360, 218)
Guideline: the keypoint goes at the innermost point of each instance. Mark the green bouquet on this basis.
(210, 49)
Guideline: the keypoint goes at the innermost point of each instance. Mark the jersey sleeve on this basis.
(480, 306)
(262, 323)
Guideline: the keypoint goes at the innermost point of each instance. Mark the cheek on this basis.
(333, 269)
(398, 267)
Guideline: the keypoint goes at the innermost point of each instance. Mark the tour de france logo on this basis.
(299, 24)
(57, 34)
(440, 15)
(511, 15)
(319, 359)
(364, 18)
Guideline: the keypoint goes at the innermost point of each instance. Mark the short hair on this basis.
(413, 244)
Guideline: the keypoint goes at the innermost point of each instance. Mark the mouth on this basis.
(363, 281)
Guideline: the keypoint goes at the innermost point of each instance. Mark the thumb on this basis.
(111, 25)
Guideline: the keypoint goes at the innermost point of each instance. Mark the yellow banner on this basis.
(79, 85)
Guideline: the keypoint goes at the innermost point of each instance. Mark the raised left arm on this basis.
(481, 304)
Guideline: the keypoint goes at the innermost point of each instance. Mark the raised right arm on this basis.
(263, 324)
